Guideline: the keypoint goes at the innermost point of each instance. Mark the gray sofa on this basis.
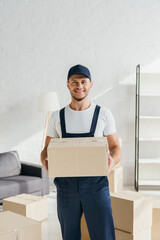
(18, 177)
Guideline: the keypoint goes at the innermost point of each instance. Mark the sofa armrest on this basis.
(31, 169)
(36, 170)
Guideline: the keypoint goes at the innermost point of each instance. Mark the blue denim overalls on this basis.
(90, 195)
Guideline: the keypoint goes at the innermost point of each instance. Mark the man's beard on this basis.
(79, 99)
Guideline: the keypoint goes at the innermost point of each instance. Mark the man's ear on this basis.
(91, 84)
(68, 85)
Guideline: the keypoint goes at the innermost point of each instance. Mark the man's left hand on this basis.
(111, 163)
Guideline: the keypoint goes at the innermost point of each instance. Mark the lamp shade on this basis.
(48, 102)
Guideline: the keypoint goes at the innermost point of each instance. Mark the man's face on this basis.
(79, 86)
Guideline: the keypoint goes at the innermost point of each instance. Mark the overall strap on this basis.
(95, 119)
(62, 122)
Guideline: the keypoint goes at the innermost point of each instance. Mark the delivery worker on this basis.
(75, 195)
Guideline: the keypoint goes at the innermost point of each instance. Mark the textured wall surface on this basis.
(41, 39)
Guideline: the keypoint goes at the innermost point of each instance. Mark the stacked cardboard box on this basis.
(84, 229)
(78, 157)
(28, 205)
(132, 213)
(16, 227)
(143, 235)
(116, 179)
(156, 220)
(7, 234)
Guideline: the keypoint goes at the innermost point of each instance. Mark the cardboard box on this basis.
(71, 157)
(143, 235)
(116, 179)
(132, 211)
(7, 234)
(14, 225)
(156, 220)
(31, 206)
(84, 229)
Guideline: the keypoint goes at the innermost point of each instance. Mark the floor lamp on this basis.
(48, 102)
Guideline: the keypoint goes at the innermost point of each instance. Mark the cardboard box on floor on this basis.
(143, 235)
(7, 234)
(156, 219)
(84, 229)
(71, 157)
(132, 211)
(116, 179)
(28, 205)
(16, 227)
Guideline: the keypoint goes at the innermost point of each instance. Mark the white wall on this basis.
(41, 39)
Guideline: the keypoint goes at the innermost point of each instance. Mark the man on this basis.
(75, 195)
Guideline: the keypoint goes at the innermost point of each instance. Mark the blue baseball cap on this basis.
(79, 69)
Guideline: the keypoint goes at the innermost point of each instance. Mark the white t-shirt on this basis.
(80, 122)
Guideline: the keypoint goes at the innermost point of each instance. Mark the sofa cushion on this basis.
(9, 164)
(19, 184)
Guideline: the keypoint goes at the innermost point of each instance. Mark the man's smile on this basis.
(79, 91)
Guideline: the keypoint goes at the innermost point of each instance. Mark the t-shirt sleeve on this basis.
(52, 132)
(110, 127)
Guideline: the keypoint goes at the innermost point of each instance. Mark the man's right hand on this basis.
(44, 159)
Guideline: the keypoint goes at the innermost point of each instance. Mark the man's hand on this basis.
(111, 163)
(114, 155)
(44, 159)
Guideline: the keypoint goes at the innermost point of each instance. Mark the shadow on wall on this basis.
(19, 122)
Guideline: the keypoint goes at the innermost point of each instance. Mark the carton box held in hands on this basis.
(71, 157)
